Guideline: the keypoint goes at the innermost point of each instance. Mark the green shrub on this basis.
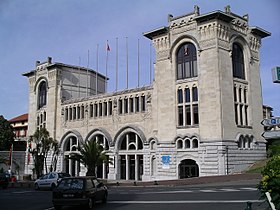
(271, 180)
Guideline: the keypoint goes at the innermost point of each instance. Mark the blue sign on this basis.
(165, 159)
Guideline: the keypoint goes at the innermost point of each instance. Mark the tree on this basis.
(42, 145)
(91, 154)
(6, 134)
(271, 180)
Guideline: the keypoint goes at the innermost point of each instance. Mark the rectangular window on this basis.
(105, 106)
(110, 109)
(131, 105)
(236, 113)
(82, 112)
(74, 113)
(66, 116)
(70, 114)
(180, 96)
(78, 112)
(180, 116)
(195, 114)
(241, 114)
(137, 102)
(143, 103)
(187, 95)
(187, 70)
(246, 115)
(194, 94)
(188, 114)
(180, 72)
(125, 105)
(100, 110)
(95, 110)
(120, 106)
(91, 110)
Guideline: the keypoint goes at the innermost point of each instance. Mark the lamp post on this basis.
(227, 158)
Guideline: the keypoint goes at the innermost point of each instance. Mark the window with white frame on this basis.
(241, 104)
(187, 106)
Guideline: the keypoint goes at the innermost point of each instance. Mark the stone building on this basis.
(200, 117)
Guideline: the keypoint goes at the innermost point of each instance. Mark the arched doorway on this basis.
(130, 156)
(103, 169)
(71, 146)
(188, 168)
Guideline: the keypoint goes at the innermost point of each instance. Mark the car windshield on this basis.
(67, 184)
(62, 175)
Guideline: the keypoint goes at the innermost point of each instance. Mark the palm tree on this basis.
(92, 154)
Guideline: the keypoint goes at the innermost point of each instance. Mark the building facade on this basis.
(200, 117)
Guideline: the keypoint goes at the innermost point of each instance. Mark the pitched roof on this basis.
(23, 117)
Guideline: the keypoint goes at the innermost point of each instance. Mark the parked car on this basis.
(50, 180)
(4, 180)
(79, 191)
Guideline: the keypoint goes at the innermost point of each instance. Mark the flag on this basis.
(108, 47)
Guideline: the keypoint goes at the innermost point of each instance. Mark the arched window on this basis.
(187, 144)
(238, 61)
(186, 61)
(195, 143)
(179, 144)
(42, 94)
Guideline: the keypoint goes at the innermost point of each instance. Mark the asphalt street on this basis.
(202, 197)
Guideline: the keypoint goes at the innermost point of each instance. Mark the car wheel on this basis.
(36, 186)
(57, 207)
(104, 199)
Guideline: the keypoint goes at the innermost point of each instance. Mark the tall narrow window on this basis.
(241, 104)
(186, 61)
(187, 107)
(42, 95)
(180, 96)
(238, 61)
(194, 94)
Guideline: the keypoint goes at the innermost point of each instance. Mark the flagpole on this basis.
(96, 80)
(117, 63)
(106, 73)
(150, 63)
(138, 56)
(79, 76)
(126, 63)
(87, 75)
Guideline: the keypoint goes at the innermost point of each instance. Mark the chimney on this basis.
(49, 60)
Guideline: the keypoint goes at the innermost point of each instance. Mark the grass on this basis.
(257, 167)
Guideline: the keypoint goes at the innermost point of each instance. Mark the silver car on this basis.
(50, 180)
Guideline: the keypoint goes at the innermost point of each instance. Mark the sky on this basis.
(76, 32)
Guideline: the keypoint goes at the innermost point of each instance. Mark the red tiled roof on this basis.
(23, 117)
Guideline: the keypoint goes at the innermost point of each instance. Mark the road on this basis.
(203, 197)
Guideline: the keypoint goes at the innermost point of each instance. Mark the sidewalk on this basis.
(234, 179)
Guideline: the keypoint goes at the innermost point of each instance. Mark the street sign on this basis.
(276, 74)
(271, 134)
(275, 121)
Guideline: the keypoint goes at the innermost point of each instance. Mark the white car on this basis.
(50, 180)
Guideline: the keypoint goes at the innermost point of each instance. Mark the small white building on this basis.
(200, 117)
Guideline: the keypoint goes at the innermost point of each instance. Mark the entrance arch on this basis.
(103, 169)
(130, 149)
(71, 146)
(188, 168)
